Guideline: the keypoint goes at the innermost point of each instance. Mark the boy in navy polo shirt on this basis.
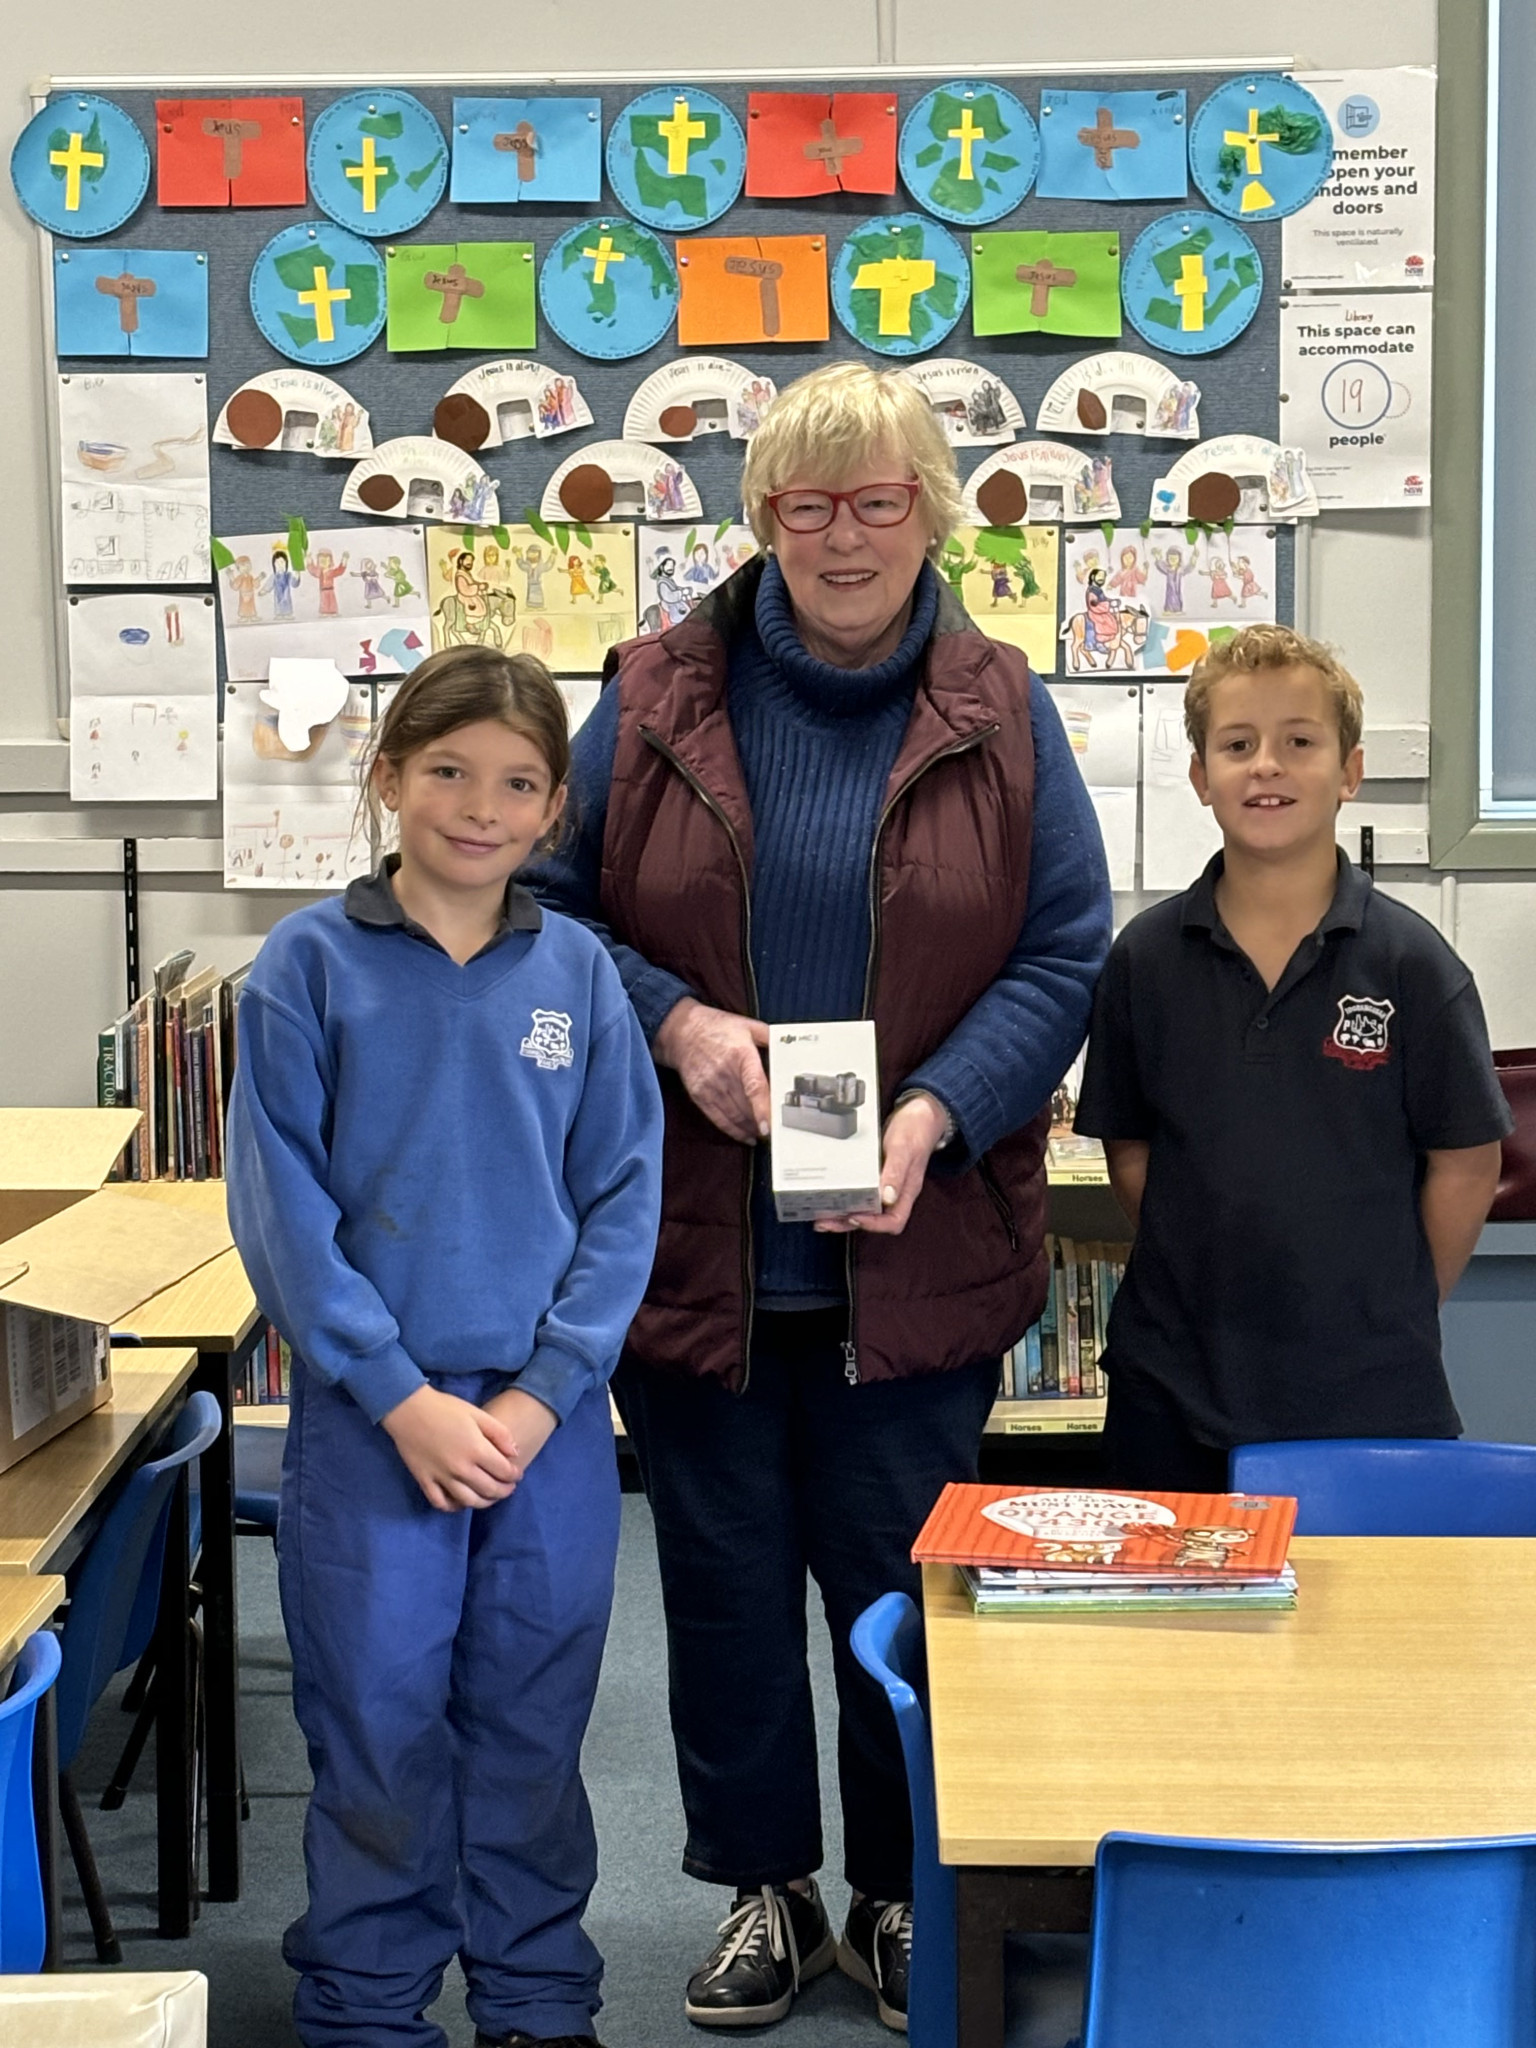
(1291, 1075)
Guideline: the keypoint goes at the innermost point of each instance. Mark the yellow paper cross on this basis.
(1190, 290)
(322, 298)
(1249, 140)
(679, 131)
(898, 280)
(604, 254)
(965, 135)
(72, 162)
(368, 173)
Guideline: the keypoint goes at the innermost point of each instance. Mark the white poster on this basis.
(1103, 722)
(1153, 603)
(677, 569)
(143, 698)
(356, 596)
(1374, 220)
(133, 465)
(1355, 386)
(1178, 833)
(293, 820)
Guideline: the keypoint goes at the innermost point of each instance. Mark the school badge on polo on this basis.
(1361, 1038)
(549, 1042)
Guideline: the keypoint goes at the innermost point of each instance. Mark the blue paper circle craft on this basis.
(80, 166)
(317, 293)
(609, 289)
(900, 283)
(1260, 147)
(1191, 283)
(378, 163)
(676, 157)
(969, 151)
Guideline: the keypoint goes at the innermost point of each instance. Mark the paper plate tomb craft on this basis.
(900, 283)
(378, 163)
(676, 157)
(609, 289)
(419, 477)
(80, 166)
(620, 480)
(975, 407)
(1191, 283)
(508, 401)
(1260, 147)
(1040, 482)
(294, 412)
(1241, 477)
(968, 151)
(1119, 392)
(317, 293)
(698, 395)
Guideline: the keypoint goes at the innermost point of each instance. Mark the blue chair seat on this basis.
(23, 1927)
(1396, 1486)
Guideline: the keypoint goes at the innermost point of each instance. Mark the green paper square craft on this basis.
(1032, 282)
(461, 295)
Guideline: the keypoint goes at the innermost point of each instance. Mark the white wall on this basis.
(60, 912)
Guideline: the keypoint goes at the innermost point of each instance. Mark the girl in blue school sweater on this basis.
(444, 1163)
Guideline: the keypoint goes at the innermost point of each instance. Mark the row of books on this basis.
(171, 1056)
(1059, 1356)
(1039, 1550)
(266, 1375)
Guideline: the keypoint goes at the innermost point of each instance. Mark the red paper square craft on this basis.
(230, 152)
(800, 144)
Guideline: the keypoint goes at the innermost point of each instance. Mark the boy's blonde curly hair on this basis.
(1257, 648)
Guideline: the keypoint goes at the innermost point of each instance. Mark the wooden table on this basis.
(214, 1310)
(50, 1505)
(1398, 1702)
(25, 1604)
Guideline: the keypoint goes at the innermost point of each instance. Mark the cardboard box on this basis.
(825, 1083)
(86, 1259)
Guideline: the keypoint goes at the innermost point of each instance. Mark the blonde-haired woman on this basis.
(826, 794)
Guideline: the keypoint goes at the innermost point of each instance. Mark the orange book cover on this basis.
(1183, 1536)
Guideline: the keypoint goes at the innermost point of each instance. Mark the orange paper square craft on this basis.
(744, 288)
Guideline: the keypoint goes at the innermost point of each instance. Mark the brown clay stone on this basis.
(1002, 499)
(677, 422)
(255, 419)
(462, 420)
(587, 493)
(381, 493)
(1090, 410)
(1213, 497)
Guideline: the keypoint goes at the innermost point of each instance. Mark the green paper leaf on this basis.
(563, 539)
(1004, 544)
(219, 555)
(1145, 528)
(1107, 528)
(692, 540)
(723, 529)
(1191, 533)
(362, 281)
(1227, 525)
(500, 535)
(386, 127)
(1220, 635)
(417, 178)
(532, 519)
(467, 537)
(583, 534)
(298, 542)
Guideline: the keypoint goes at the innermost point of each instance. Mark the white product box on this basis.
(825, 1084)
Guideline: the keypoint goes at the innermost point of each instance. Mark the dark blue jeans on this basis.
(800, 1473)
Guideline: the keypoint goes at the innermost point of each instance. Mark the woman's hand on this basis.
(459, 1455)
(912, 1135)
(525, 1415)
(719, 1058)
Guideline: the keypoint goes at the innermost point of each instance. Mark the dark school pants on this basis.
(800, 1473)
(444, 1667)
(1147, 1442)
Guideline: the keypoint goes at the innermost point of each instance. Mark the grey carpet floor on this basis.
(652, 1924)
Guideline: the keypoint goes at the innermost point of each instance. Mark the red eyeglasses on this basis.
(874, 505)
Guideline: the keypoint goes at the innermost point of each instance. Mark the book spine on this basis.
(1088, 1350)
(144, 1069)
(199, 1146)
(274, 1376)
(1049, 1349)
(214, 1083)
(1073, 1381)
(1032, 1360)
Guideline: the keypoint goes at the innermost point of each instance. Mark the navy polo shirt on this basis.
(1281, 1284)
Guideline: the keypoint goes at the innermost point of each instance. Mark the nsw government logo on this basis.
(549, 1042)
(1361, 1037)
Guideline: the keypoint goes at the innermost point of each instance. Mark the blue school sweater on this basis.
(443, 1169)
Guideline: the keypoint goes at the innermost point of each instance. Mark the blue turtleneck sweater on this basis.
(817, 745)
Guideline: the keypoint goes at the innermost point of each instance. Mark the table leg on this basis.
(221, 1632)
(45, 1808)
(173, 1729)
(993, 1903)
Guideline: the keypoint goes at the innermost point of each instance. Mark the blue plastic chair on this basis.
(887, 1639)
(1397, 1486)
(104, 1626)
(23, 1927)
(1287, 1945)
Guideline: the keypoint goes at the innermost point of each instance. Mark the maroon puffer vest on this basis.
(949, 887)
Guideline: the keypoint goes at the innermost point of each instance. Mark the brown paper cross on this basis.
(1043, 277)
(456, 285)
(767, 274)
(1104, 138)
(234, 135)
(523, 143)
(832, 148)
(127, 290)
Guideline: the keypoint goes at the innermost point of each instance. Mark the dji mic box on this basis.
(825, 1086)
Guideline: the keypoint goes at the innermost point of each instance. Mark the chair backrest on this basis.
(1397, 1486)
(103, 1598)
(888, 1641)
(1277, 1944)
(23, 1934)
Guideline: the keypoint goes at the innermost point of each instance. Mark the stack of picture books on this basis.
(172, 1057)
(1058, 1358)
(1048, 1551)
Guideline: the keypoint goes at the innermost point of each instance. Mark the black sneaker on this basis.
(770, 1942)
(876, 1951)
(517, 2039)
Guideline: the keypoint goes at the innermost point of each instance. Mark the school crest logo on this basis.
(549, 1042)
(1362, 1036)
